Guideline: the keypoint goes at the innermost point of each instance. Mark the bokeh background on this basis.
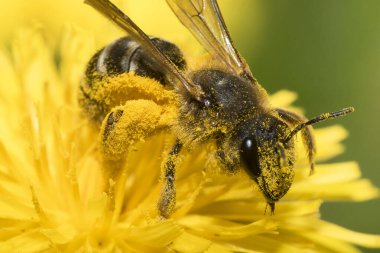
(328, 51)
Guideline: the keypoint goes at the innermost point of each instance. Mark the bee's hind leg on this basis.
(167, 199)
(307, 135)
(124, 126)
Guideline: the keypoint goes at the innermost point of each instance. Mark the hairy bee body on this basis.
(231, 111)
(223, 103)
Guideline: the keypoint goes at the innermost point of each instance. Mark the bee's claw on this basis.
(271, 206)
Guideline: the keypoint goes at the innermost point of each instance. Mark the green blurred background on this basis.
(328, 51)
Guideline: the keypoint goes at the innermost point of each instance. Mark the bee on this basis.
(224, 104)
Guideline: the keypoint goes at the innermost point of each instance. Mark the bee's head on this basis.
(267, 151)
(266, 158)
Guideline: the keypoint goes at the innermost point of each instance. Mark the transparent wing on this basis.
(204, 20)
(123, 21)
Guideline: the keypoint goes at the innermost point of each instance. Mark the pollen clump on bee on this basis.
(98, 97)
(131, 126)
(139, 105)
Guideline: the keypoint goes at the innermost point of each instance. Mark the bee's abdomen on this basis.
(122, 56)
(127, 55)
(113, 59)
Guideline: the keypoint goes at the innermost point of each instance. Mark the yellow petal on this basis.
(189, 243)
(328, 173)
(313, 242)
(155, 235)
(333, 182)
(283, 98)
(324, 230)
(26, 242)
(328, 141)
(59, 235)
(334, 231)
(265, 244)
(219, 229)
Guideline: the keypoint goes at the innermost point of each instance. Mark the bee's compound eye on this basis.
(250, 157)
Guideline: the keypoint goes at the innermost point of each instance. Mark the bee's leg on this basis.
(227, 159)
(307, 135)
(167, 199)
(124, 126)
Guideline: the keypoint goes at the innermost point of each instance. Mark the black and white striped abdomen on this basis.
(127, 55)
(121, 56)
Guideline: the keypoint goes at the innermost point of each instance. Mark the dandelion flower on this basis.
(55, 196)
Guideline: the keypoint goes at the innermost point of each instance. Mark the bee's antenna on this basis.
(317, 119)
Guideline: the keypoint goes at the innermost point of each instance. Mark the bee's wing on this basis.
(123, 21)
(204, 19)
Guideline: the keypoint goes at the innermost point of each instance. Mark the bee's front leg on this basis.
(167, 199)
(227, 157)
